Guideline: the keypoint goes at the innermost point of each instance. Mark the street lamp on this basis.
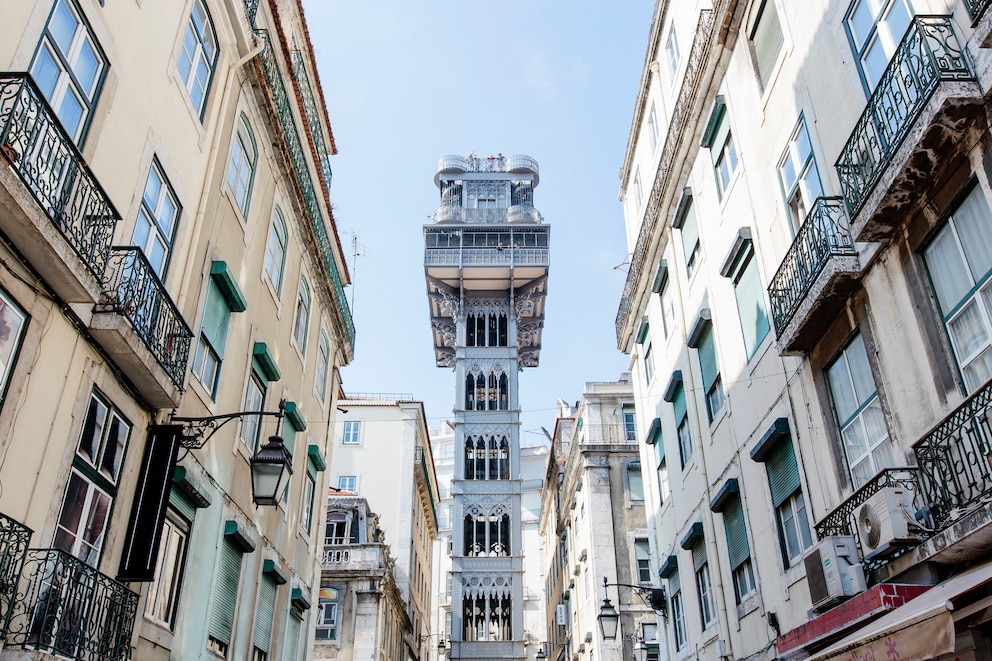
(609, 619)
(640, 651)
(270, 466)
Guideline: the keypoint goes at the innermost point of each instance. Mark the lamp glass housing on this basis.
(270, 469)
(609, 620)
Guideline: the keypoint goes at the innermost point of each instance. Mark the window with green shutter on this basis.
(765, 35)
(783, 472)
(750, 298)
(738, 550)
(293, 638)
(635, 482)
(262, 635)
(210, 348)
(710, 370)
(225, 597)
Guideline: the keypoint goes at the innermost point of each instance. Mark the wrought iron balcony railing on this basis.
(486, 257)
(976, 8)
(45, 158)
(69, 609)
(928, 54)
(840, 520)
(312, 115)
(453, 213)
(604, 434)
(297, 156)
(825, 233)
(955, 460)
(132, 289)
(14, 539)
(677, 131)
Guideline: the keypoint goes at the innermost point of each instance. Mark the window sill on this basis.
(748, 606)
(238, 213)
(273, 292)
(793, 575)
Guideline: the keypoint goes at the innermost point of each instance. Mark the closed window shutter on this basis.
(635, 481)
(707, 357)
(180, 503)
(751, 306)
(674, 583)
(698, 555)
(767, 39)
(783, 472)
(679, 403)
(690, 233)
(293, 639)
(262, 636)
(225, 592)
(288, 433)
(216, 318)
(733, 522)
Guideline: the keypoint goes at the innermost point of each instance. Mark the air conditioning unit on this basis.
(833, 572)
(885, 522)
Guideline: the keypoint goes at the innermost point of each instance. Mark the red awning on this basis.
(921, 629)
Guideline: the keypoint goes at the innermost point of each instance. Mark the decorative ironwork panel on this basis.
(132, 289)
(312, 115)
(69, 609)
(14, 538)
(297, 157)
(928, 54)
(825, 233)
(840, 520)
(45, 158)
(604, 435)
(702, 44)
(955, 460)
(976, 8)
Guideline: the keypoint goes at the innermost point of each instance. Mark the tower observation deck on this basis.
(486, 259)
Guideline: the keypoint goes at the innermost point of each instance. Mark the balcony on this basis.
(976, 8)
(924, 105)
(487, 257)
(604, 435)
(141, 328)
(814, 279)
(66, 608)
(51, 205)
(353, 558)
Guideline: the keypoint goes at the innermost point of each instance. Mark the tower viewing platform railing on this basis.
(487, 257)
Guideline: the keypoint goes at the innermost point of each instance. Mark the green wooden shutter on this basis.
(679, 403)
(216, 318)
(751, 306)
(736, 527)
(635, 481)
(767, 39)
(225, 592)
(783, 472)
(707, 357)
(288, 437)
(262, 635)
(690, 233)
(674, 583)
(293, 639)
(699, 554)
(179, 503)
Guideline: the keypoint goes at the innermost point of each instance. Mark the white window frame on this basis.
(794, 509)
(352, 432)
(164, 591)
(673, 53)
(799, 176)
(242, 164)
(158, 218)
(198, 55)
(301, 318)
(348, 483)
(880, 33)
(275, 250)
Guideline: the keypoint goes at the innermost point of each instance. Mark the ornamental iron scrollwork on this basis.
(841, 521)
(14, 539)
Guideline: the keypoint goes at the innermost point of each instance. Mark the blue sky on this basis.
(407, 82)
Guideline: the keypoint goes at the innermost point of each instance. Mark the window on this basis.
(92, 485)
(222, 298)
(710, 369)
(155, 228)
(959, 261)
(348, 483)
(12, 324)
(251, 425)
(875, 28)
(69, 67)
(654, 131)
(682, 425)
(352, 432)
(241, 169)
(858, 412)
(668, 310)
(635, 483)
(163, 593)
(327, 618)
(642, 558)
(765, 35)
(799, 175)
(738, 549)
(323, 365)
(724, 154)
(275, 250)
(264, 616)
(672, 53)
(225, 597)
(306, 508)
(664, 488)
(644, 339)
(679, 629)
(750, 297)
(635, 189)
(198, 56)
(794, 526)
(301, 323)
(691, 248)
(704, 586)
(786, 492)
(629, 423)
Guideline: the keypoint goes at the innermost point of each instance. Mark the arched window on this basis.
(504, 459)
(480, 392)
(241, 168)
(198, 56)
(504, 392)
(492, 391)
(469, 392)
(470, 331)
(275, 250)
(470, 458)
(492, 457)
(502, 330)
(486, 617)
(480, 458)
(323, 365)
(336, 532)
(493, 333)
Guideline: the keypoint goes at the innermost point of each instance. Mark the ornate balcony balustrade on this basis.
(14, 539)
(825, 233)
(454, 163)
(69, 609)
(674, 138)
(47, 161)
(928, 54)
(451, 213)
(604, 435)
(312, 115)
(132, 289)
(841, 520)
(486, 257)
(297, 156)
(955, 460)
(976, 8)
(353, 557)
